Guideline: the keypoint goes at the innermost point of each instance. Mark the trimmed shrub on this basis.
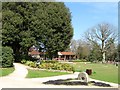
(7, 57)
(28, 63)
(31, 64)
(23, 61)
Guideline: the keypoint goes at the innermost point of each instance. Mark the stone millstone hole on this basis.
(83, 78)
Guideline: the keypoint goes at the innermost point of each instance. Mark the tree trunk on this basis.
(103, 51)
(103, 56)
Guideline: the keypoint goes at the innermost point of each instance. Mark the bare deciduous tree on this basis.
(73, 45)
(101, 34)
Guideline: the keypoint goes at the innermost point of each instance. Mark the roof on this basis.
(34, 53)
(32, 49)
(66, 53)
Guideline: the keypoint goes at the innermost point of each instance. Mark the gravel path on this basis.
(17, 80)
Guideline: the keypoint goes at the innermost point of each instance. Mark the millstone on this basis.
(83, 76)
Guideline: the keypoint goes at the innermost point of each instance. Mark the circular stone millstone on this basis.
(83, 76)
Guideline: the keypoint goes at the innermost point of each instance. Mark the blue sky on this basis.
(85, 15)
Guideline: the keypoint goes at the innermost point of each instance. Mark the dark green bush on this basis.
(7, 57)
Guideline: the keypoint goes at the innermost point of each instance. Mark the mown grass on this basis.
(105, 72)
(43, 73)
(6, 71)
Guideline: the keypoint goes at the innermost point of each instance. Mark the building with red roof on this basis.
(34, 52)
(66, 55)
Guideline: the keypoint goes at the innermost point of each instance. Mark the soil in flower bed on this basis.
(100, 84)
(69, 82)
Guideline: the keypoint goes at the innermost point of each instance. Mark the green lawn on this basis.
(6, 71)
(105, 72)
(43, 73)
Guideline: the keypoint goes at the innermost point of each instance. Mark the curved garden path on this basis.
(20, 71)
(17, 80)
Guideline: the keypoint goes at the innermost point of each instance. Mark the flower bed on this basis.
(70, 82)
(50, 65)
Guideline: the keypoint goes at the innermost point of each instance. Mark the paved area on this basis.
(17, 80)
(19, 73)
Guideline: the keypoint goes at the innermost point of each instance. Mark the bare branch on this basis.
(101, 34)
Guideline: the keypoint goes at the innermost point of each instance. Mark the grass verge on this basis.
(43, 73)
(6, 71)
(104, 72)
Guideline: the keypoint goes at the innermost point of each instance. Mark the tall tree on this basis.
(31, 23)
(83, 49)
(73, 45)
(101, 34)
(95, 53)
(118, 50)
(111, 50)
